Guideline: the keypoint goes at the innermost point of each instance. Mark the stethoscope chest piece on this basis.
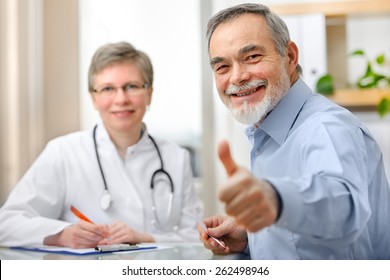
(105, 200)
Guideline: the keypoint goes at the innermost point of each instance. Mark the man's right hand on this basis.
(226, 230)
(254, 203)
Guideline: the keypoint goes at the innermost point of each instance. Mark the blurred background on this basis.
(46, 47)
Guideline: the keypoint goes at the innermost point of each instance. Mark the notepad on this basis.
(88, 251)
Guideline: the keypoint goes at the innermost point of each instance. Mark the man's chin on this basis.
(246, 119)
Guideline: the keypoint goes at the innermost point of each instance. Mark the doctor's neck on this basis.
(123, 140)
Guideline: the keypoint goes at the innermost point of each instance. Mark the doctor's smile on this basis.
(123, 114)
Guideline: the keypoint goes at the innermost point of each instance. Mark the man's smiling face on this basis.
(251, 76)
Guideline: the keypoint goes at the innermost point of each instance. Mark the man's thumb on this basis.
(226, 158)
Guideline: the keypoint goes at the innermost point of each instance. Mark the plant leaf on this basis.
(369, 71)
(370, 78)
(384, 107)
(380, 59)
(358, 52)
(367, 82)
(325, 85)
(379, 78)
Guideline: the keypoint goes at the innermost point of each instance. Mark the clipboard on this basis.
(104, 249)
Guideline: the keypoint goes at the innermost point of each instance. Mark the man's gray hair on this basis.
(276, 25)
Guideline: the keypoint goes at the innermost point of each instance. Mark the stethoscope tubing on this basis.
(98, 158)
(106, 198)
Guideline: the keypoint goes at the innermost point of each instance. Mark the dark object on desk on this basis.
(116, 247)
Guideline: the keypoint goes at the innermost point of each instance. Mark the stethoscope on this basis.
(105, 200)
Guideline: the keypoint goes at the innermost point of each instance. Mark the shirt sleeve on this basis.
(327, 200)
(33, 207)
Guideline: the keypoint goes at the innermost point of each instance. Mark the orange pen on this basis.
(79, 214)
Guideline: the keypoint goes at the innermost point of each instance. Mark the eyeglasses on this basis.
(128, 89)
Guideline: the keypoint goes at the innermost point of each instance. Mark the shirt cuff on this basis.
(291, 207)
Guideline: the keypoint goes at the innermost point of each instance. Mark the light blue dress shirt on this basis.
(330, 175)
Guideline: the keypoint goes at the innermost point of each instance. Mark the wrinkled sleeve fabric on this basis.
(32, 210)
(327, 199)
(328, 171)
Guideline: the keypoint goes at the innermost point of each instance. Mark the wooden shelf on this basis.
(334, 8)
(353, 99)
(359, 99)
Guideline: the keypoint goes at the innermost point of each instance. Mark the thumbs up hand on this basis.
(226, 158)
(252, 202)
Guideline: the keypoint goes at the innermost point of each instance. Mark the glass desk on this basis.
(164, 251)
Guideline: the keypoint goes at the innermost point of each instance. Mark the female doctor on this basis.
(133, 188)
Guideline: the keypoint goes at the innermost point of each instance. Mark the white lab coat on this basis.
(67, 173)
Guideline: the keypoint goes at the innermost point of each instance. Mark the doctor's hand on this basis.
(226, 230)
(252, 202)
(80, 235)
(119, 232)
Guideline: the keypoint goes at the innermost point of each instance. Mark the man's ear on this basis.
(292, 55)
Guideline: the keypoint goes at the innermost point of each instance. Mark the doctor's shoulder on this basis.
(57, 153)
(73, 142)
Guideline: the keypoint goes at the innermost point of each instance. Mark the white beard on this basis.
(253, 113)
(247, 114)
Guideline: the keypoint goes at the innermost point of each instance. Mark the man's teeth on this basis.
(246, 93)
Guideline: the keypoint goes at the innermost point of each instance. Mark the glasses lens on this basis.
(106, 91)
(130, 90)
(133, 89)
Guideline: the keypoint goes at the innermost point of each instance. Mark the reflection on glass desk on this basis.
(164, 251)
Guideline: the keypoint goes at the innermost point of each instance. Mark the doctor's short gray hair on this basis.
(121, 52)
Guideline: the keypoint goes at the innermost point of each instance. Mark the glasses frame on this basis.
(130, 89)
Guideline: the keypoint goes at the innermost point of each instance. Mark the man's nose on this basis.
(239, 75)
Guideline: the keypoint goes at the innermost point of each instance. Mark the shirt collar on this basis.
(280, 120)
(104, 139)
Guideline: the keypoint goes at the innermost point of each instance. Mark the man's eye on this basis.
(220, 68)
(253, 57)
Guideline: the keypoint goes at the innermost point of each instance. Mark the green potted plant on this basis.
(325, 85)
(370, 79)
